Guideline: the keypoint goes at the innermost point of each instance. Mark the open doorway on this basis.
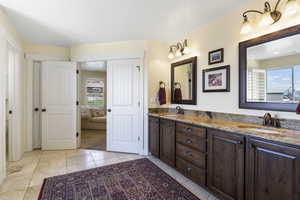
(92, 95)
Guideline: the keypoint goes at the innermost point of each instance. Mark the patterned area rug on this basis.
(134, 180)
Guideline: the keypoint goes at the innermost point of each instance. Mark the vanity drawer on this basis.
(196, 157)
(196, 174)
(191, 130)
(199, 143)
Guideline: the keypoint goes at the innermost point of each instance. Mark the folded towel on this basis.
(162, 96)
(298, 109)
(178, 95)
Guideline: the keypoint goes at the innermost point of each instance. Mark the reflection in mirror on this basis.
(184, 83)
(273, 71)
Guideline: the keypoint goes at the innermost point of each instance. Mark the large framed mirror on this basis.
(270, 71)
(184, 82)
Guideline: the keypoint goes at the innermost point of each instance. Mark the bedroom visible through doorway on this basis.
(92, 103)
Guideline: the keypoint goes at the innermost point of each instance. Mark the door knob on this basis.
(108, 110)
(36, 109)
(44, 110)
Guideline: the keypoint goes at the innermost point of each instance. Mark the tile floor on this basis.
(25, 177)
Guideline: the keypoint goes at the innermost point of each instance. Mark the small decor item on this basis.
(216, 79)
(216, 56)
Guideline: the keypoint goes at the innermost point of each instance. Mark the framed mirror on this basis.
(270, 71)
(184, 82)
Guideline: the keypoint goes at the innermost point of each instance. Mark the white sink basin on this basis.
(258, 129)
(264, 130)
(170, 115)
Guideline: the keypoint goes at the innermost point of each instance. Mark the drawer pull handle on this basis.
(188, 129)
(189, 170)
(188, 153)
(188, 141)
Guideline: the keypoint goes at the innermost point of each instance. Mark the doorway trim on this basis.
(143, 147)
(5, 40)
(30, 59)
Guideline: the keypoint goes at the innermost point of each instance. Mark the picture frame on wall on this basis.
(216, 56)
(216, 79)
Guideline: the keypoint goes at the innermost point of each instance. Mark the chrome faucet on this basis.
(179, 110)
(268, 120)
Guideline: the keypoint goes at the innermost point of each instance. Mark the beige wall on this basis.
(158, 69)
(84, 75)
(57, 52)
(108, 50)
(225, 33)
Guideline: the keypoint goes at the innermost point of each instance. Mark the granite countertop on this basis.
(275, 134)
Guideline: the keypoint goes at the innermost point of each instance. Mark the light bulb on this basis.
(178, 53)
(246, 27)
(186, 50)
(266, 19)
(291, 7)
(171, 55)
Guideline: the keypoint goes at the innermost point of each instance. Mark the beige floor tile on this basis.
(12, 195)
(78, 160)
(80, 167)
(32, 193)
(15, 183)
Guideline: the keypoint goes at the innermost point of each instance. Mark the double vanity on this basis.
(233, 160)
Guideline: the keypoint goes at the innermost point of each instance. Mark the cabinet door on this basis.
(226, 164)
(154, 136)
(273, 171)
(167, 142)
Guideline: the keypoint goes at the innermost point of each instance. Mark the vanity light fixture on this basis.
(179, 49)
(269, 16)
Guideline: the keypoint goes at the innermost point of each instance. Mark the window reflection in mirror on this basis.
(273, 71)
(183, 80)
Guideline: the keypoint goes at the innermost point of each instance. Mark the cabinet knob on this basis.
(189, 170)
(188, 141)
(188, 153)
(188, 129)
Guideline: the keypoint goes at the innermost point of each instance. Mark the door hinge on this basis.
(139, 138)
(139, 103)
(139, 68)
(77, 71)
(77, 103)
(77, 134)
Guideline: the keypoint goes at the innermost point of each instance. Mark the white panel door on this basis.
(124, 106)
(36, 125)
(58, 105)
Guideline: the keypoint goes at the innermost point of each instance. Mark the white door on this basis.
(36, 125)
(124, 119)
(58, 105)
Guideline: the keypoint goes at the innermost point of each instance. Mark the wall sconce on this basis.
(269, 16)
(179, 49)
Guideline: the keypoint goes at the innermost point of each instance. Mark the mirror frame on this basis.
(193, 61)
(288, 107)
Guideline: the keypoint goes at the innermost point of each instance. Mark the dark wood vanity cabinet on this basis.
(167, 141)
(226, 164)
(232, 166)
(272, 171)
(154, 136)
(191, 152)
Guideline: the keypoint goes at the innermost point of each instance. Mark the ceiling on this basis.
(99, 66)
(275, 49)
(70, 22)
